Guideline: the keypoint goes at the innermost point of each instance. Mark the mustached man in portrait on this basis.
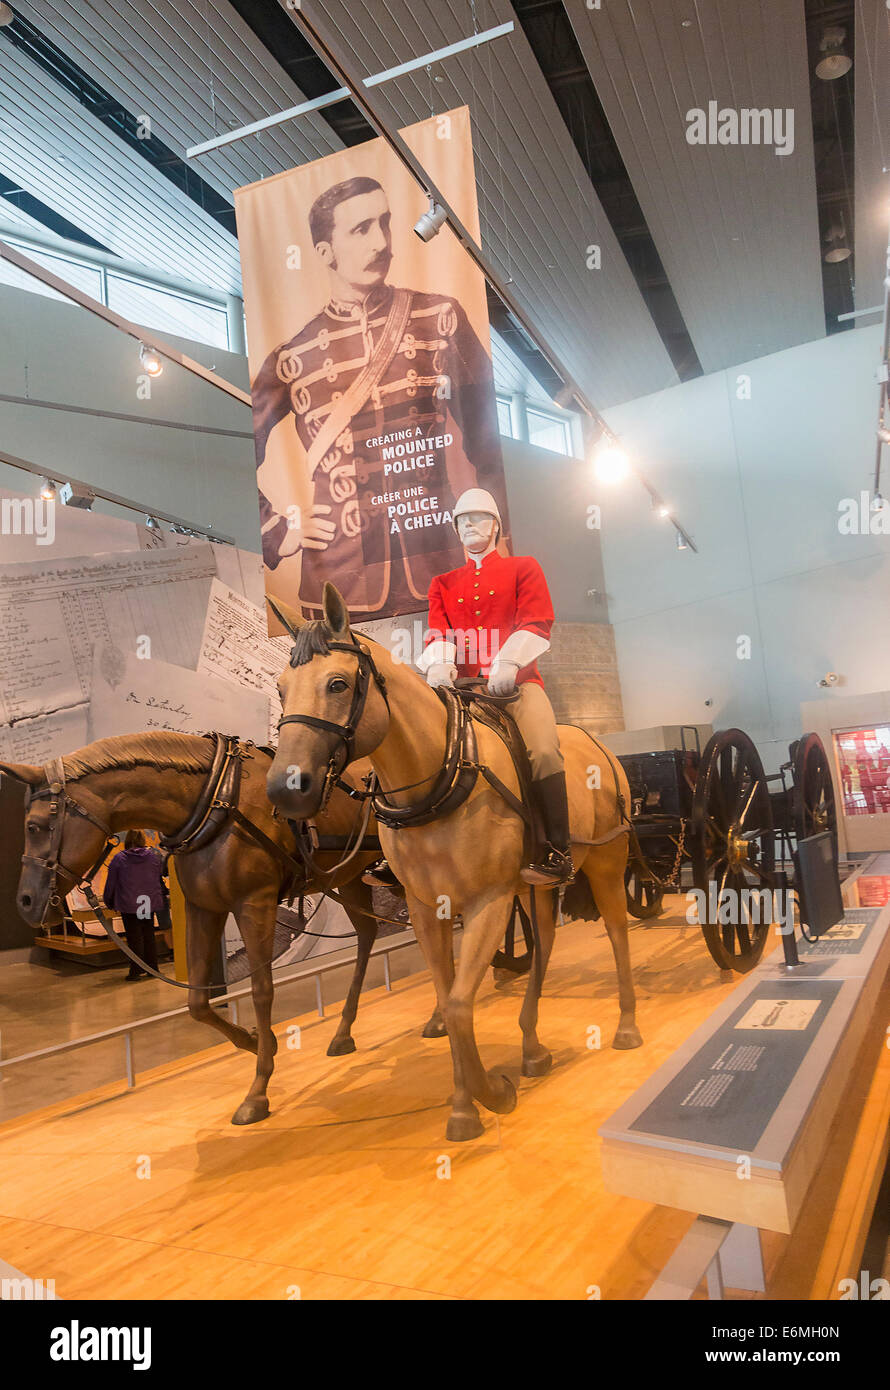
(391, 394)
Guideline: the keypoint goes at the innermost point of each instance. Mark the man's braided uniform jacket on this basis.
(437, 382)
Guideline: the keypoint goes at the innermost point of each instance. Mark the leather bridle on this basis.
(61, 802)
(343, 751)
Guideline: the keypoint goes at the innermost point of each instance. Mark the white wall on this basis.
(58, 353)
(757, 483)
(548, 496)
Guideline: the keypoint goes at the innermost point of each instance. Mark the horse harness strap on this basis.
(61, 801)
(345, 733)
(219, 797)
(455, 780)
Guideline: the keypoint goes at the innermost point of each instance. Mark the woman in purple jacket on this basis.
(134, 889)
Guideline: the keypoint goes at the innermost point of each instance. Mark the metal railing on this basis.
(316, 970)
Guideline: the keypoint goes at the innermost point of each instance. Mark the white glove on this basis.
(441, 673)
(503, 680)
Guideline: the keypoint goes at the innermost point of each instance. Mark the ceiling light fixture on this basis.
(836, 241)
(47, 490)
(152, 523)
(610, 463)
(681, 541)
(836, 62)
(77, 495)
(429, 223)
(151, 360)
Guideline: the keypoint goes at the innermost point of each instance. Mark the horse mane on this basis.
(163, 750)
(312, 639)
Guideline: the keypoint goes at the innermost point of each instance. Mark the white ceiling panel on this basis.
(512, 375)
(735, 225)
(78, 167)
(538, 209)
(197, 70)
(872, 183)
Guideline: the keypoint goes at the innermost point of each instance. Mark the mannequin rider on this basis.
(500, 608)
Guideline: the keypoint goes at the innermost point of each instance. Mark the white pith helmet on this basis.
(476, 499)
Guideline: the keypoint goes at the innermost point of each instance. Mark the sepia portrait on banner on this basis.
(370, 366)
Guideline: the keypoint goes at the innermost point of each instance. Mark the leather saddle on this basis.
(494, 712)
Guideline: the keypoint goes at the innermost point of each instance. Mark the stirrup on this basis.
(380, 875)
(553, 870)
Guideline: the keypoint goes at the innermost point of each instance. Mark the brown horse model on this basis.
(343, 699)
(156, 779)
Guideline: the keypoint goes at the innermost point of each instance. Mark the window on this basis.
(83, 277)
(505, 417)
(547, 431)
(145, 303)
(168, 311)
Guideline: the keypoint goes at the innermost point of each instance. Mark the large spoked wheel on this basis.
(643, 892)
(812, 797)
(733, 848)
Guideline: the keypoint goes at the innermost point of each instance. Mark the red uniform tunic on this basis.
(481, 608)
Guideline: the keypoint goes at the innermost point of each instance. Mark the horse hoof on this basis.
(627, 1038)
(339, 1047)
(435, 1029)
(505, 1098)
(539, 1065)
(250, 1111)
(463, 1127)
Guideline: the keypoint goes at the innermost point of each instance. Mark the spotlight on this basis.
(884, 435)
(429, 223)
(48, 490)
(681, 541)
(73, 495)
(838, 250)
(150, 360)
(877, 502)
(836, 62)
(610, 464)
(152, 523)
(663, 511)
(6, 15)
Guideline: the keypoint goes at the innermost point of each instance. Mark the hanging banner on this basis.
(370, 367)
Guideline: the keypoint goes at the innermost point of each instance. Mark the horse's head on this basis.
(62, 841)
(334, 707)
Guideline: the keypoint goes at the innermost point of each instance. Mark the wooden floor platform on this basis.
(344, 1191)
(71, 945)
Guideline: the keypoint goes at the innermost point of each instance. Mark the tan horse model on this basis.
(341, 701)
(155, 779)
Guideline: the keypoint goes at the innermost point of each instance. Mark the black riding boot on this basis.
(555, 867)
(380, 875)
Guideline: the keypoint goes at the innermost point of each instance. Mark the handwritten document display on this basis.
(53, 612)
(44, 737)
(135, 696)
(236, 648)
